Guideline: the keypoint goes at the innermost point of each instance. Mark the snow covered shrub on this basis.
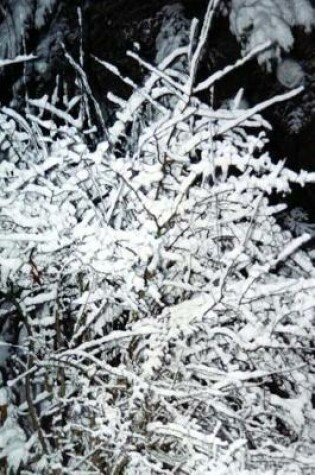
(161, 319)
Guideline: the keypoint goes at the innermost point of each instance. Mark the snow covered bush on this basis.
(160, 320)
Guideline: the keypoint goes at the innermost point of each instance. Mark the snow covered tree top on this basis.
(256, 21)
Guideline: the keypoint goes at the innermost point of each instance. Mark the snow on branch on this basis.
(159, 307)
(259, 108)
(16, 60)
(209, 82)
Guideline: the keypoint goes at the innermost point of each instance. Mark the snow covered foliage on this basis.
(257, 21)
(159, 319)
(174, 31)
(18, 17)
(290, 73)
